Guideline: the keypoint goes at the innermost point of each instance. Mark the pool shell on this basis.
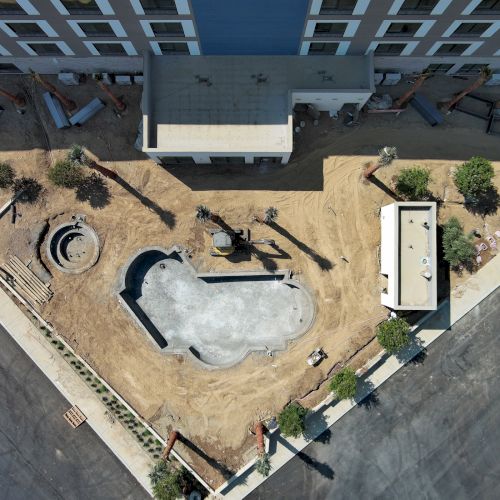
(130, 288)
(73, 247)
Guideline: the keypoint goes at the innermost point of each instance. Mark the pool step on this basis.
(26, 282)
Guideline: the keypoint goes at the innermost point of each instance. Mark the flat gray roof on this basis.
(237, 103)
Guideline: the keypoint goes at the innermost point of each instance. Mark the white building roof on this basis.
(408, 255)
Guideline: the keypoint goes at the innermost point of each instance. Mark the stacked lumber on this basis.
(26, 282)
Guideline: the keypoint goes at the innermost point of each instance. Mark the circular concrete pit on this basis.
(73, 247)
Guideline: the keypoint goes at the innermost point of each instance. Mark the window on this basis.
(9, 68)
(159, 6)
(97, 29)
(402, 29)
(488, 7)
(10, 7)
(173, 48)
(438, 68)
(81, 6)
(110, 49)
(26, 29)
(451, 49)
(390, 49)
(46, 49)
(177, 160)
(471, 29)
(167, 29)
(227, 160)
(323, 48)
(471, 69)
(337, 6)
(417, 6)
(267, 160)
(330, 29)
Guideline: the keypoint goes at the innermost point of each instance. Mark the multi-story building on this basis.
(447, 36)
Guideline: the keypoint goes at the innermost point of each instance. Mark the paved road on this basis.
(41, 457)
(431, 432)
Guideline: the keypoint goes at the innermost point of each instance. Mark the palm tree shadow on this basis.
(267, 258)
(377, 182)
(323, 263)
(166, 216)
(227, 473)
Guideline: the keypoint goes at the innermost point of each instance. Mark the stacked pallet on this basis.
(26, 282)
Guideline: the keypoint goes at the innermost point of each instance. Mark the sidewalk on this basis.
(74, 390)
(462, 300)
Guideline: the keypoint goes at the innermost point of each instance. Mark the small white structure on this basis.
(408, 255)
(237, 110)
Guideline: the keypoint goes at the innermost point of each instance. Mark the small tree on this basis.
(344, 383)
(412, 183)
(6, 175)
(166, 480)
(66, 174)
(458, 247)
(76, 156)
(291, 420)
(26, 189)
(474, 177)
(393, 334)
(263, 464)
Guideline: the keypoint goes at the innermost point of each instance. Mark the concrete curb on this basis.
(376, 372)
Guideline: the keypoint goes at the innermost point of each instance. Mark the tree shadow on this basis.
(166, 216)
(485, 204)
(227, 473)
(324, 437)
(386, 189)
(323, 263)
(94, 190)
(371, 400)
(414, 352)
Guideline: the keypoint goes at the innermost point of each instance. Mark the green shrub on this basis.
(393, 334)
(458, 247)
(291, 420)
(167, 481)
(344, 383)
(473, 178)
(263, 464)
(6, 175)
(412, 183)
(66, 174)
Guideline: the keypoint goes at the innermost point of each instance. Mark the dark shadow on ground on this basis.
(324, 437)
(371, 400)
(486, 204)
(313, 464)
(414, 352)
(377, 182)
(227, 473)
(94, 190)
(166, 216)
(323, 263)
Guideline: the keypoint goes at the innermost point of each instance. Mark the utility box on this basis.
(391, 78)
(123, 80)
(69, 78)
(494, 80)
(56, 110)
(87, 112)
(105, 78)
(139, 79)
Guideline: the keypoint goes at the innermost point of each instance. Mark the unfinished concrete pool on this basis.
(215, 318)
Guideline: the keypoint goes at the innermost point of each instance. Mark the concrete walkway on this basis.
(121, 443)
(462, 300)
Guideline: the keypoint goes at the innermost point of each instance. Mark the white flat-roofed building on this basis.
(408, 255)
(232, 109)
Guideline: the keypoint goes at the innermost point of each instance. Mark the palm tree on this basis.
(484, 76)
(18, 100)
(67, 103)
(172, 438)
(401, 101)
(386, 156)
(270, 215)
(204, 214)
(77, 156)
(119, 104)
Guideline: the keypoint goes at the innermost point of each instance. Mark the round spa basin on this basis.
(73, 247)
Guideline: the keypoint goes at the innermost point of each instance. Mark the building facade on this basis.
(446, 36)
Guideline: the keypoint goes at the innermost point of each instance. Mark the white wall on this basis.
(330, 101)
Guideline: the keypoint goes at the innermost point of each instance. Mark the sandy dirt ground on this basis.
(325, 211)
